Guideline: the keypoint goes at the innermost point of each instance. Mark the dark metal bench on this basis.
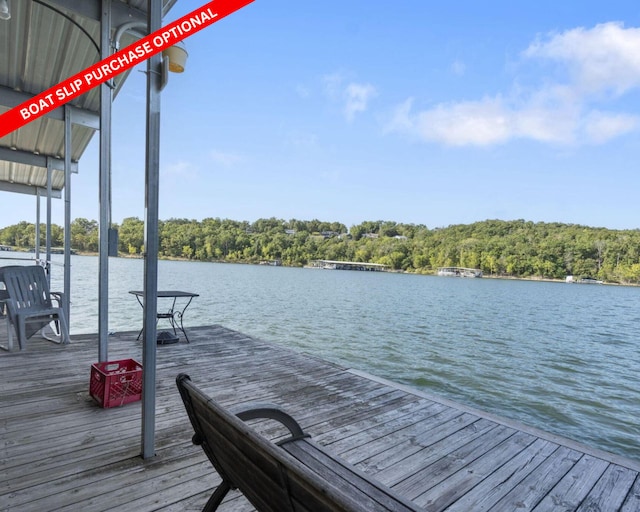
(295, 474)
(30, 303)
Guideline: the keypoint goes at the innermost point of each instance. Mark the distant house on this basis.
(400, 237)
(290, 231)
(371, 235)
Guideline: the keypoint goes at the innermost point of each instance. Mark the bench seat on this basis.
(294, 474)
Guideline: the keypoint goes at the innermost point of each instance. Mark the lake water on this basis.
(561, 357)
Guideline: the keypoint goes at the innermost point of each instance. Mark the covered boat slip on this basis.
(39, 157)
(348, 265)
(60, 451)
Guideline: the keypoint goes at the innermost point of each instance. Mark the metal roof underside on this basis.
(45, 42)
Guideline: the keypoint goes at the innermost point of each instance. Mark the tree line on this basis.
(515, 248)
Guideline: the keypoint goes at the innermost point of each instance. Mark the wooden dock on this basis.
(59, 451)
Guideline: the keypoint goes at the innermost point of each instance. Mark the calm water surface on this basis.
(556, 356)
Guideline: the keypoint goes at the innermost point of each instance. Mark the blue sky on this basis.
(413, 111)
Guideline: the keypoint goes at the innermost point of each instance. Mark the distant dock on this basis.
(459, 272)
(348, 265)
(583, 280)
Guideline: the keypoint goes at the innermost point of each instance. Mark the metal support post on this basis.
(151, 238)
(66, 306)
(37, 241)
(105, 192)
(48, 229)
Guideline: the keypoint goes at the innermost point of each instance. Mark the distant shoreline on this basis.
(433, 273)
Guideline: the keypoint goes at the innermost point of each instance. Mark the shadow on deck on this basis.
(60, 451)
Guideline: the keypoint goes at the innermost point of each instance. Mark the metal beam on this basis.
(26, 158)
(10, 98)
(152, 179)
(30, 190)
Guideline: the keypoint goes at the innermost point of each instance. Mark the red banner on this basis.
(117, 63)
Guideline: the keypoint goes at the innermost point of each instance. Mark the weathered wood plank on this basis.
(380, 439)
(53, 491)
(610, 491)
(464, 473)
(571, 490)
(632, 502)
(399, 461)
(498, 482)
(532, 489)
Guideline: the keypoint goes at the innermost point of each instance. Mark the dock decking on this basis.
(59, 451)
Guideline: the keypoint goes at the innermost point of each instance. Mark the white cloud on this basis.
(472, 123)
(606, 57)
(599, 127)
(545, 125)
(603, 63)
(357, 97)
(354, 97)
(494, 121)
(477, 123)
(400, 120)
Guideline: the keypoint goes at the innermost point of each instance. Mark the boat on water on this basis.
(583, 280)
(459, 272)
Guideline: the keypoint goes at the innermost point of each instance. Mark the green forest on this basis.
(517, 248)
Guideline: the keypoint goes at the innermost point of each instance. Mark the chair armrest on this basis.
(58, 297)
(4, 296)
(272, 412)
(11, 308)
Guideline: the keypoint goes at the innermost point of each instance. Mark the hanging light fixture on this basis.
(174, 59)
(177, 57)
(5, 14)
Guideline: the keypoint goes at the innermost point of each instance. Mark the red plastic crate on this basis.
(115, 383)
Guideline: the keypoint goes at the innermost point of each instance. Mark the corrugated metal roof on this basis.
(45, 42)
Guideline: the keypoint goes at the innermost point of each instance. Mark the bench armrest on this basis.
(272, 412)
